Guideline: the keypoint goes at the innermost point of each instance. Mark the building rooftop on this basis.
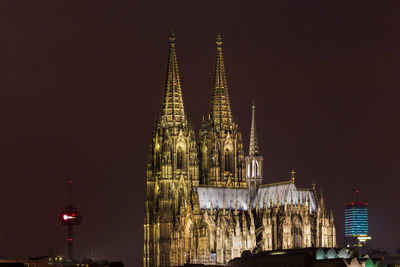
(267, 195)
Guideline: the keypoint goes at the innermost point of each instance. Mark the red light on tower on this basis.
(67, 217)
(357, 195)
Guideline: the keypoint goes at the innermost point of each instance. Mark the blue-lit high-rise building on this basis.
(356, 222)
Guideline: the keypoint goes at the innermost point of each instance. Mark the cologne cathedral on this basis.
(206, 201)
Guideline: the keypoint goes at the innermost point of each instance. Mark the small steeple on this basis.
(173, 112)
(220, 108)
(254, 162)
(253, 150)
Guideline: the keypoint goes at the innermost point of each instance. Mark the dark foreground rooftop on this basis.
(309, 257)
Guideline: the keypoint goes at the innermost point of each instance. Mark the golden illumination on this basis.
(205, 202)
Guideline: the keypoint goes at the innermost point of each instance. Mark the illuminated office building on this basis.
(356, 222)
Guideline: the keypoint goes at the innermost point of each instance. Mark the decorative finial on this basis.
(219, 40)
(321, 196)
(292, 173)
(172, 38)
(236, 206)
(253, 105)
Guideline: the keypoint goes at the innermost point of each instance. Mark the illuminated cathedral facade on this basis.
(206, 201)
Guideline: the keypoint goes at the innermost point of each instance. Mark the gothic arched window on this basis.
(157, 157)
(297, 233)
(205, 157)
(228, 160)
(157, 161)
(179, 159)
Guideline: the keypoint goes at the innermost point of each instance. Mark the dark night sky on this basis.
(81, 83)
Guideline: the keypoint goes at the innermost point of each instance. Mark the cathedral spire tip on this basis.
(219, 40)
(253, 150)
(172, 38)
(220, 109)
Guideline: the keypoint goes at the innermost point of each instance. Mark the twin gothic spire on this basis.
(220, 108)
(173, 112)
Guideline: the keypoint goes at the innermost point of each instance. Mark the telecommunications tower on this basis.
(70, 216)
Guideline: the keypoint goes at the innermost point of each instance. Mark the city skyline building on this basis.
(205, 201)
(356, 222)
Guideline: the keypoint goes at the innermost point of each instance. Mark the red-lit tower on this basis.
(70, 216)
